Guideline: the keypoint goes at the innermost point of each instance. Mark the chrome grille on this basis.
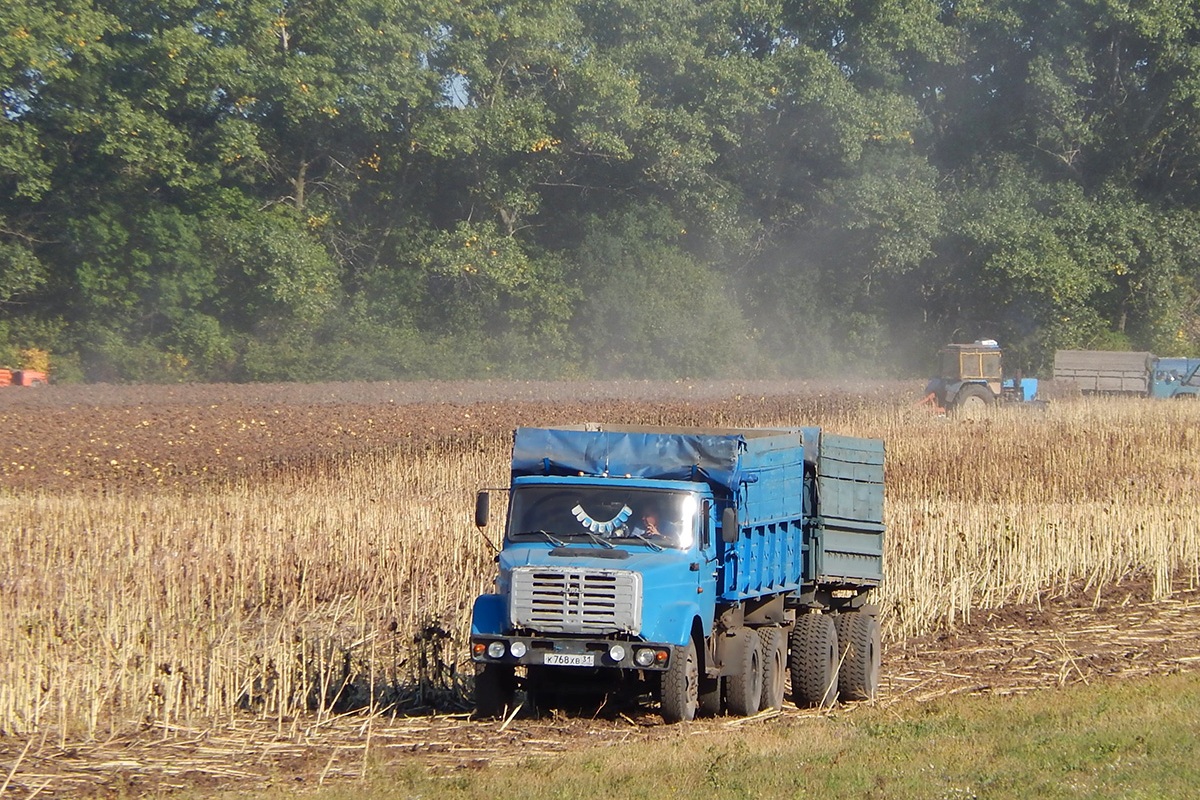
(576, 600)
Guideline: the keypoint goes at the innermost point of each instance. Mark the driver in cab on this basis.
(648, 527)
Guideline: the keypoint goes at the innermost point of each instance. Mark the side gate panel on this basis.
(848, 536)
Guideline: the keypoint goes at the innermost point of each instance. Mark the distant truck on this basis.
(702, 567)
(971, 377)
(22, 377)
(1129, 373)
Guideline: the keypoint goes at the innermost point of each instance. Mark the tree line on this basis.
(378, 189)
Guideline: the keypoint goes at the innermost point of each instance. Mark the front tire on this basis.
(680, 695)
(495, 688)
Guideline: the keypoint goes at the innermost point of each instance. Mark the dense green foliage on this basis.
(303, 189)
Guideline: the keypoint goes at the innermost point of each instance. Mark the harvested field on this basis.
(1059, 640)
(202, 585)
(57, 437)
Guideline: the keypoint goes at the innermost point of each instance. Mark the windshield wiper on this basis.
(600, 540)
(554, 540)
(657, 547)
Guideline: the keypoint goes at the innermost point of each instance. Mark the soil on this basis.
(110, 435)
(104, 436)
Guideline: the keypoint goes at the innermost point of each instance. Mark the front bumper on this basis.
(570, 652)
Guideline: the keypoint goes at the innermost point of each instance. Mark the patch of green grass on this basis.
(1122, 739)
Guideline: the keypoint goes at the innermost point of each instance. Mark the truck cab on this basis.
(605, 575)
(1175, 377)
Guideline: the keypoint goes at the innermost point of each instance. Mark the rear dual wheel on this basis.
(860, 643)
(774, 648)
(813, 661)
(758, 680)
(818, 646)
(744, 686)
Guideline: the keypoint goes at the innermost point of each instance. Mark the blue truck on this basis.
(1112, 372)
(705, 569)
(1174, 378)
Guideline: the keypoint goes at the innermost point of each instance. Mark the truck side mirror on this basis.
(483, 503)
(729, 525)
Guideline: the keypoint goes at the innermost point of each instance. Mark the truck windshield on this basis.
(637, 517)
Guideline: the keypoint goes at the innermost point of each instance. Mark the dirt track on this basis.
(106, 436)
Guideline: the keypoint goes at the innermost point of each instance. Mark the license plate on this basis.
(569, 660)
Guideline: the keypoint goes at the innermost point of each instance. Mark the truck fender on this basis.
(675, 623)
(489, 616)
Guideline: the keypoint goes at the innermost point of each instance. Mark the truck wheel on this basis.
(859, 637)
(681, 685)
(973, 400)
(744, 688)
(814, 661)
(775, 666)
(495, 685)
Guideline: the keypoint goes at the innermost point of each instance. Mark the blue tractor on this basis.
(971, 378)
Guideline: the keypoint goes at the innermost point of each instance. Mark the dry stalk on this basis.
(348, 585)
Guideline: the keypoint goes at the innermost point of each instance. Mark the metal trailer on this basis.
(1104, 371)
(770, 542)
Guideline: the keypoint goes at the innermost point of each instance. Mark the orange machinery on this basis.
(22, 377)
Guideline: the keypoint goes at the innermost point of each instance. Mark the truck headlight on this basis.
(616, 653)
(496, 649)
(644, 657)
(518, 649)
